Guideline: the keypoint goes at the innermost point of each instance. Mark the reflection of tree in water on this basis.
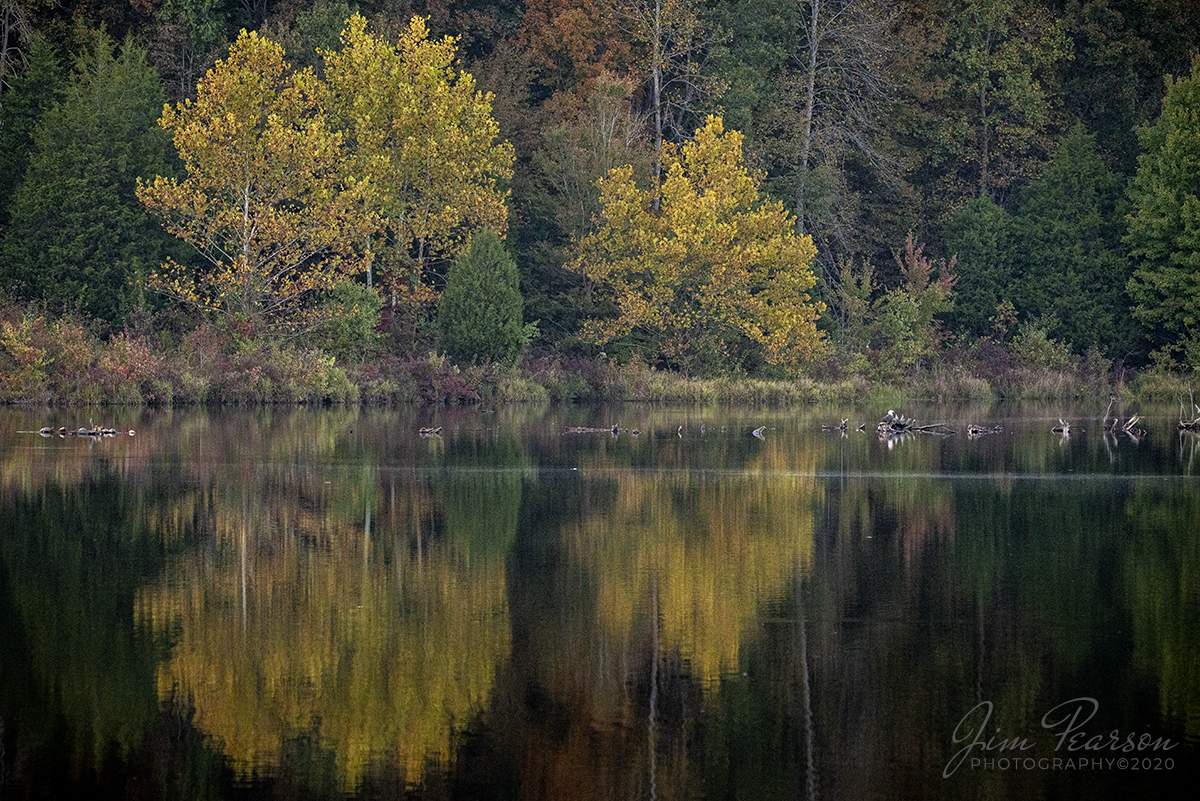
(931, 596)
(1164, 573)
(74, 667)
(711, 552)
(372, 640)
(660, 579)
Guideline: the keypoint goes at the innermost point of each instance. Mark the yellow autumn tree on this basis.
(420, 132)
(265, 201)
(715, 269)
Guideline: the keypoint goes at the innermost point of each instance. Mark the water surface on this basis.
(527, 605)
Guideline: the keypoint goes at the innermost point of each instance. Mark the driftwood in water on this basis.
(1129, 427)
(1189, 422)
(974, 431)
(587, 430)
(931, 428)
(1115, 426)
(92, 430)
(893, 424)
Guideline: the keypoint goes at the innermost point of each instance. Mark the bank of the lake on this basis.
(131, 374)
(63, 363)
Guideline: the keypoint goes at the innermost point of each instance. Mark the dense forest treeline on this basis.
(256, 200)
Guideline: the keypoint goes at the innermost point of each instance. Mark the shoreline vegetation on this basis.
(47, 362)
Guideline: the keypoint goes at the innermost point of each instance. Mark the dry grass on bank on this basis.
(45, 361)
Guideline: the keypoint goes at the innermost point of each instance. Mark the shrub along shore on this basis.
(59, 362)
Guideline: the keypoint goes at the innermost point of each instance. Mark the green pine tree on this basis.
(78, 239)
(1069, 254)
(981, 234)
(479, 315)
(1164, 225)
(32, 93)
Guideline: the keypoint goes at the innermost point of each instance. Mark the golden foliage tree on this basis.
(291, 177)
(265, 201)
(717, 266)
(423, 136)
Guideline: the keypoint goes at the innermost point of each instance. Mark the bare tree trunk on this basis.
(652, 715)
(677, 43)
(841, 56)
(13, 26)
(810, 770)
(656, 80)
(810, 104)
(984, 155)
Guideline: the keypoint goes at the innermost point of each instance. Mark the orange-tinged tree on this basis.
(418, 130)
(572, 42)
(266, 202)
(715, 268)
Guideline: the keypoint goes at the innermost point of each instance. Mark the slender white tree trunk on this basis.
(810, 104)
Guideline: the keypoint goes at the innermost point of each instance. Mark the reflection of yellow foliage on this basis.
(713, 552)
(275, 639)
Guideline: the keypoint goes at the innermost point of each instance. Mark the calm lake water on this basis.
(319, 603)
